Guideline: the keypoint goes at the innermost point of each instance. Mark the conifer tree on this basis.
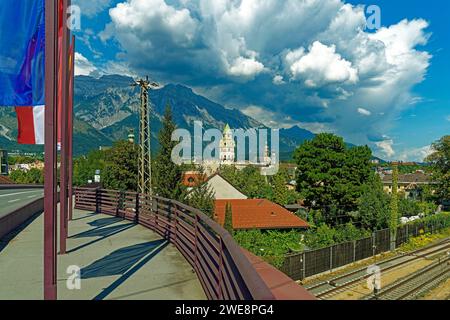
(280, 191)
(202, 196)
(167, 175)
(393, 221)
(228, 224)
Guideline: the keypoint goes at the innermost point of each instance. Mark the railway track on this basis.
(415, 284)
(341, 283)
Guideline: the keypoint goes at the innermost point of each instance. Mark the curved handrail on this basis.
(253, 281)
(223, 269)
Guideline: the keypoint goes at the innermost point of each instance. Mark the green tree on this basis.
(84, 167)
(331, 176)
(323, 236)
(394, 216)
(18, 176)
(280, 192)
(249, 181)
(373, 210)
(409, 208)
(228, 225)
(202, 196)
(253, 184)
(440, 160)
(166, 174)
(121, 166)
(33, 176)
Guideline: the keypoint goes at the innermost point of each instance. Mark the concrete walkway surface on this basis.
(117, 260)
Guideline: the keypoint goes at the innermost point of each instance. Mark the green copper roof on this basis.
(227, 128)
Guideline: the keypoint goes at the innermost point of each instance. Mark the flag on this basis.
(22, 58)
(22, 65)
(30, 122)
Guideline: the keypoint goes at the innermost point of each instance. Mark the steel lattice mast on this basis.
(145, 160)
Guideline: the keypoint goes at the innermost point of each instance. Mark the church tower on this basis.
(227, 145)
(267, 158)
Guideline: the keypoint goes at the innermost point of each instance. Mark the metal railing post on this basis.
(374, 244)
(137, 207)
(97, 199)
(176, 225)
(304, 265)
(219, 282)
(331, 258)
(196, 240)
(354, 251)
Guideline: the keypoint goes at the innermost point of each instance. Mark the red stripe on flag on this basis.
(25, 122)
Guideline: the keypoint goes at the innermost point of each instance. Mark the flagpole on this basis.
(64, 91)
(50, 184)
(71, 97)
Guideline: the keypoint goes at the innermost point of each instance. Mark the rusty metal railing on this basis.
(222, 268)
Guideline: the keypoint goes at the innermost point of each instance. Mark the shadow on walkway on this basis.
(124, 262)
(10, 236)
(100, 231)
(89, 215)
(103, 233)
(103, 222)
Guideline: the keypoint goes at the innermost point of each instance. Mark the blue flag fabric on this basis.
(22, 52)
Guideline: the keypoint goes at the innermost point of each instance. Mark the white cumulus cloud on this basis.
(322, 65)
(364, 112)
(416, 154)
(386, 147)
(83, 67)
(243, 50)
(244, 67)
(278, 80)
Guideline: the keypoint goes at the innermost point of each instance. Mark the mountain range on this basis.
(106, 109)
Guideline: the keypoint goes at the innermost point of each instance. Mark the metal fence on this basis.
(300, 266)
(221, 266)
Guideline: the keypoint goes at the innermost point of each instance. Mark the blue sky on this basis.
(308, 63)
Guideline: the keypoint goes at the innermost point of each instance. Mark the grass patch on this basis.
(424, 240)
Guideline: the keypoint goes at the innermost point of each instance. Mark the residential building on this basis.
(410, 185)
(28, 166)
(223, 189)
(192, 178)
(257, 214)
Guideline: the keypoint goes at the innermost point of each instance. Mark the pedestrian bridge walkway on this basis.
(118, 260)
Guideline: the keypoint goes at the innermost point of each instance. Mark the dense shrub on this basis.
(272, 246)
(325, 236)
(409, 208)
(33, 176)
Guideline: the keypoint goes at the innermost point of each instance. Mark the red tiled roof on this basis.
(5, 180)
(258, 214)
(192, 178)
